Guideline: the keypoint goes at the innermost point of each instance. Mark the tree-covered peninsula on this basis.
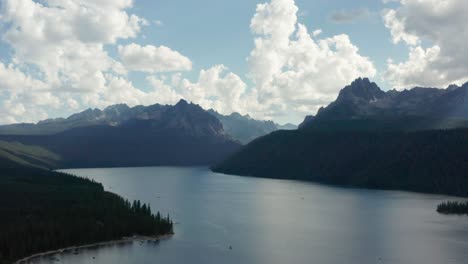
(42, 210)
(458, 208)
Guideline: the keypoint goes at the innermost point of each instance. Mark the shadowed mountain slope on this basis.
(183, 134)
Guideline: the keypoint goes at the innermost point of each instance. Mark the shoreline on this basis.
(72, 249)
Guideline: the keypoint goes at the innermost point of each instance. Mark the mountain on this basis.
(307, 121)
(371, 138)
(240, 127)
(425, 161)
(245, 129)
(364, 104)
(15, 154)
(182, 135)
(111, 116)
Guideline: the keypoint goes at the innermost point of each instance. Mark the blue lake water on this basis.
(277, 221)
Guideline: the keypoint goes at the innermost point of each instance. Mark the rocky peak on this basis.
(118, 108)
(452, 87)
(87, 114)
(363, 89)
(192, 118)
(237, 115)
(181, 103)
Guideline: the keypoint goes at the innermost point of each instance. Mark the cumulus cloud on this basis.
(65, 39)
(216, 88)
(153, 59)
(59, 59)
(58, 52)
(14, 80)
(60, 63)
(295, 71)
(442, 24)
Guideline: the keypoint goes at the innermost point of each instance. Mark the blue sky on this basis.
(275, 59)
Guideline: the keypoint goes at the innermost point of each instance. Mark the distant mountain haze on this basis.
(245, 129)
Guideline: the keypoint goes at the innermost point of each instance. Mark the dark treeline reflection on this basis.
(43, 210)
(459, 208)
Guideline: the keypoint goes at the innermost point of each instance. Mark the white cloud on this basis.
(293, 70)
(442, 24)
(215, 88)
(153, 59)
(60, 64)
(13, 79)
(397, 28)
(164, 93)
(65, 39)
(27, 106)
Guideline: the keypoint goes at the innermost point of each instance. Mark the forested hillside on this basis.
(426, 161)
(42, 210)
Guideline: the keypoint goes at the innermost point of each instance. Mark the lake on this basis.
(277, 221)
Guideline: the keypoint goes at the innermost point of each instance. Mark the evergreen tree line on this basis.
(425, 161)
(458, 208)
(42, 210)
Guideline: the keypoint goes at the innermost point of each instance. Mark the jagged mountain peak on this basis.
(238, 115)
(187, 108)
(361, 88)
(117, 108)
(452, 87)
(364, 100)
(89, 113)
(181, 103)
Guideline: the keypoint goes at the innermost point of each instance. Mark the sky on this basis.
(277, 59)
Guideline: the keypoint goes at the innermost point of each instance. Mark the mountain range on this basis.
(245, 129)
(410, 140)
(239, 127)
(183, 134)
(364, 103)
(119, 135)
